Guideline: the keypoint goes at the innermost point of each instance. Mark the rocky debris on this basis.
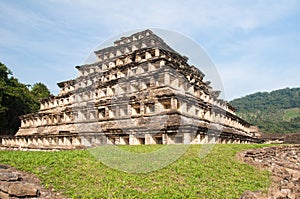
(16, 184)
(5, 176)
(293, 138)
(284, 164)
(285, 138)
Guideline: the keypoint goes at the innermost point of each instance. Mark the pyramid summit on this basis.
(139, 40)
(138, 91)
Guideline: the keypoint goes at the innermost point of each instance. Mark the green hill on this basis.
(273, 112)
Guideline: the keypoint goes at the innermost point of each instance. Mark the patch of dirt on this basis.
(19, 184)
(284, 164)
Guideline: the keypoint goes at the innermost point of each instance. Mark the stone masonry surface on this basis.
(284, 164)
(16, 184)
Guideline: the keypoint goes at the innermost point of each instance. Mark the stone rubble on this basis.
(16, 184)
(284, 164)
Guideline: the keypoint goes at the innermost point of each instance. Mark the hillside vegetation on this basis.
(273, 112)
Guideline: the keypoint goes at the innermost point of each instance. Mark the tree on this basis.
(39, 91)
(16, 99)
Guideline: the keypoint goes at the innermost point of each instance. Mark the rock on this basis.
(3, 166)
(15, 184)
(5, 176)
(285, 191)
(4, 195)
(23, 190)
(4, 186)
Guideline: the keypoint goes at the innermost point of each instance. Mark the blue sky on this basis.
(255, 45)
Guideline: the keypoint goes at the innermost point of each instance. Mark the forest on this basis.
(17, 99)
(273, 112)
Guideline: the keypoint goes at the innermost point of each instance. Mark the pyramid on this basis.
(138, 91)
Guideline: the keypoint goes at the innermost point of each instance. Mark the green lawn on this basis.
(79, 175)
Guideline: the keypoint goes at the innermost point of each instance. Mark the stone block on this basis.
(4, 186)
(23, 190)
(5, 176)
(4, 195)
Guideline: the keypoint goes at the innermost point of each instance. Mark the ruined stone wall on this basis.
(283, 163)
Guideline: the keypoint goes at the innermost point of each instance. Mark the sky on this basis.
(254, 45)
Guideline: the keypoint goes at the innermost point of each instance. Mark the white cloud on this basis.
(124, 15)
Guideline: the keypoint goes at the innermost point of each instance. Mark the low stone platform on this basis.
(86, 140)
(16, 184)
(284, 163)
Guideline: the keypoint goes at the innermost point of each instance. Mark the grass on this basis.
(291, 113)
(78, 174)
